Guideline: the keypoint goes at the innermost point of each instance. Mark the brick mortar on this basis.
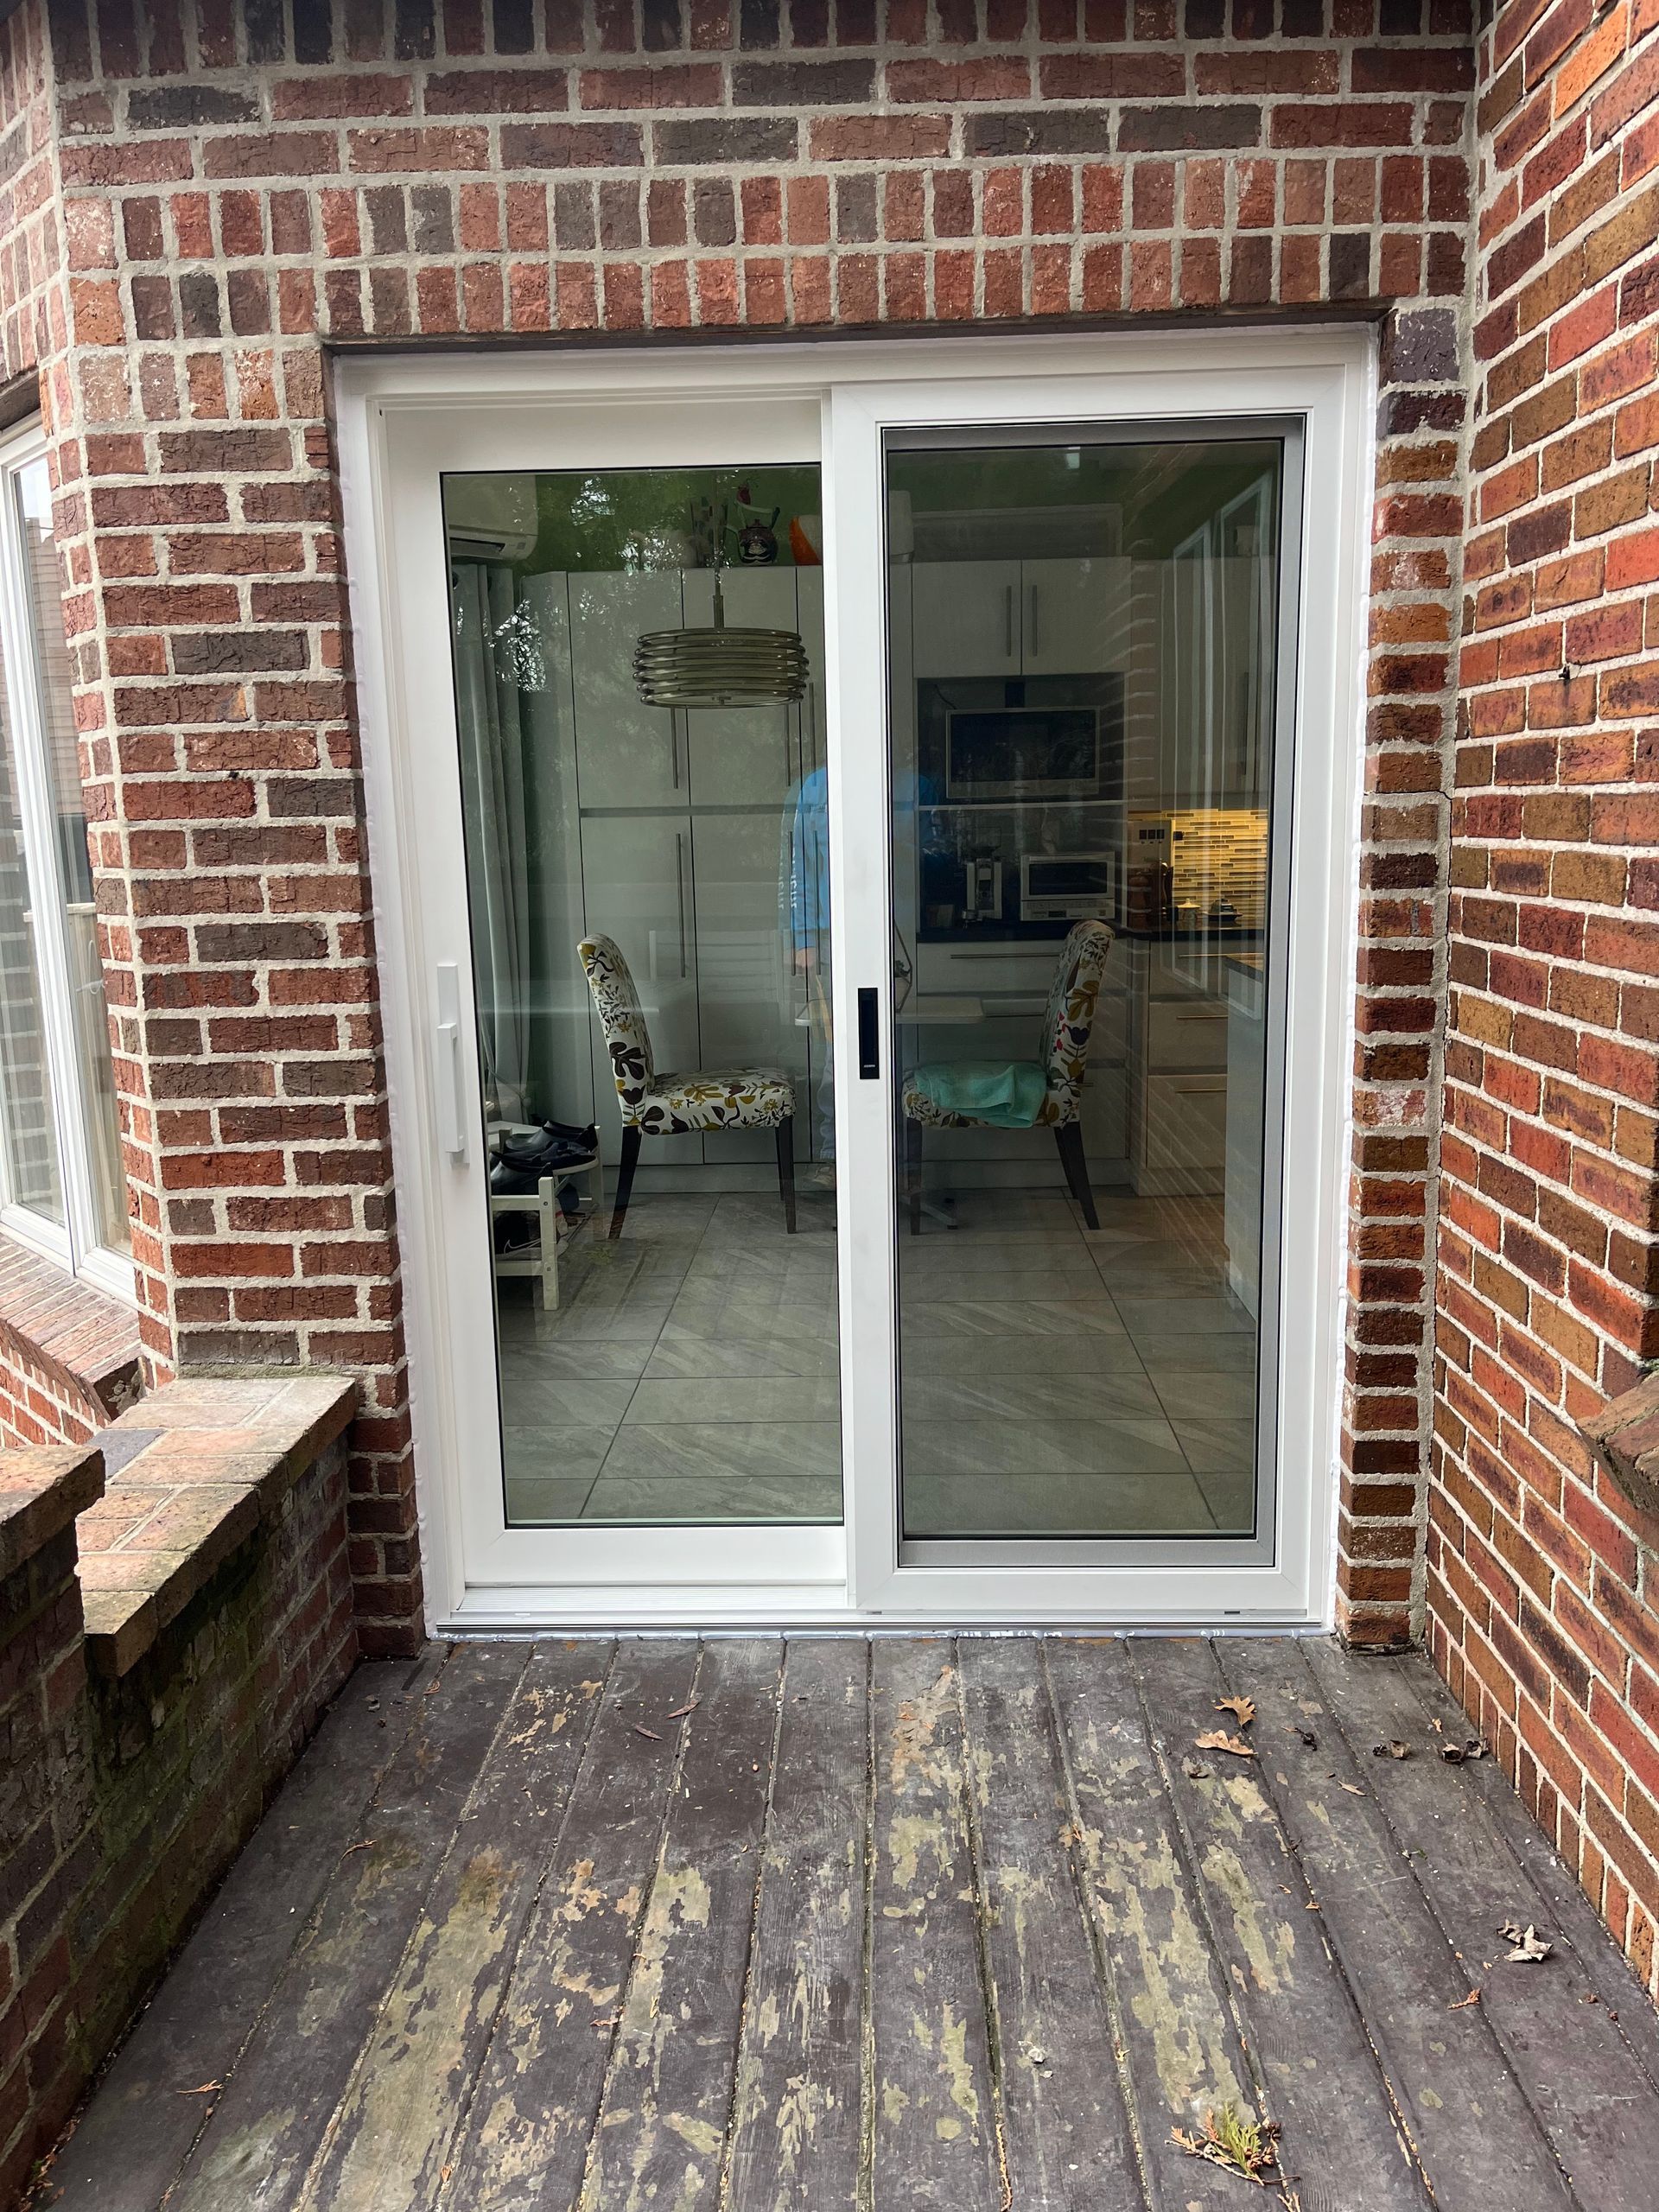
(1543, 1579)
(185, 309)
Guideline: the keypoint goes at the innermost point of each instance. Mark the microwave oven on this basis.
(1068, 887)
(1014, 752)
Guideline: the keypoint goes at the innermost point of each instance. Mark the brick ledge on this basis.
(85, 1341)
(42, 1489)
(1625, 1437)
(192, 1472)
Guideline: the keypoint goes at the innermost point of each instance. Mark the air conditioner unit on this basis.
(490, 518)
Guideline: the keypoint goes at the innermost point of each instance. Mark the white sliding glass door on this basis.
(861, 834)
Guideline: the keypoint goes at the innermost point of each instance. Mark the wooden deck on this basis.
(884, 1924)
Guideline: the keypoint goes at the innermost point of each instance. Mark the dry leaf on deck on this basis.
(651, 1732)
(1394, 1749)
(1217, 1739)
(1530, 1945)
(1353, 1788)
(1243, 1708)
(1463, 2003)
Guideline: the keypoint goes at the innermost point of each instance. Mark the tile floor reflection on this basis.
(1057, 1381)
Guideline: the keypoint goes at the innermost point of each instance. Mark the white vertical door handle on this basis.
(451, 1119)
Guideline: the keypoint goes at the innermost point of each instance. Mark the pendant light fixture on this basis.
(718, 667)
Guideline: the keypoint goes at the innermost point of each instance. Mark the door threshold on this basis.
(500, 1614)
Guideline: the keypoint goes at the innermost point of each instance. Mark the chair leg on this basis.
(913, 1173)
(1068, 1135)
(787, 1171)
(631, 1139)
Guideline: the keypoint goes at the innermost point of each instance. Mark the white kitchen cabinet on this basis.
(746, 993)
(739, 756)
(637, 879)
(1074, 617)
(628, 753)
(965, 618)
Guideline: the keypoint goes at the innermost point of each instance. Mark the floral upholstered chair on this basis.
(654, 1105)
(1063, 1049)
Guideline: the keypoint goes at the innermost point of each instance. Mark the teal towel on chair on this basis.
(1005, 1094)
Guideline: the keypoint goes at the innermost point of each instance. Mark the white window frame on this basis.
(403, 419)
(74, 1243)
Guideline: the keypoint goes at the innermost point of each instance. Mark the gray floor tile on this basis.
(1128, 1504)
(729, 1398)
(563, 1453)
(1223, 1395)
(994, 1317)
(535, 1500)
(1036, 1447)
(672, 1450)
(1158, 1317)
(1170, 1352)
(715, 1497)
(579, 1359)
(1021, 1354)
(743, 1355)
(531, 1400)
(1018, 1396)
(1215, 1448)
(947, 1281)
(756, 1321)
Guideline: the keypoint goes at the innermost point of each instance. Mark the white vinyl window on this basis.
(62, 1186)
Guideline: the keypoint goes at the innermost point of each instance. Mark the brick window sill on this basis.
(85, 1341)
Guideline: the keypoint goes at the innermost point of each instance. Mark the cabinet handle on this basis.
(1007, 624)
(1034, 647)
(679, 889)
(1210, 1014)
(674, 747)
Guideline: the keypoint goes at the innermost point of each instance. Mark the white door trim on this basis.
(401, 416)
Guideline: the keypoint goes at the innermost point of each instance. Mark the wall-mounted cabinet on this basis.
(1020, 618)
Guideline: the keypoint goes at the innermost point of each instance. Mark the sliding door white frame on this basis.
(406, 421)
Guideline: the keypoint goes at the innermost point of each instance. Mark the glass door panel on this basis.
(647, 886)
(1082, 690)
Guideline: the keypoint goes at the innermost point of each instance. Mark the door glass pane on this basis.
(648, 885)
(27, 1129)
(89, 1010)
(1082, 660)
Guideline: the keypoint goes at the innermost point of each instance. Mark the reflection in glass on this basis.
(89, 1009)
(33, 1178)
(649, 898)
(1082, 649)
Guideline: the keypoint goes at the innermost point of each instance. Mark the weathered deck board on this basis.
(1480, 2142)
(933, 2109)
(877, 1926)
(527, 2136)
(264, 2131)
(1605, 1970)
(153, 2101)
(1576, 2069)
(1068, 2144)
(1343, 2141)
(795, 2122)
(1181, 2047)
(662, 2127)
(391, 2134)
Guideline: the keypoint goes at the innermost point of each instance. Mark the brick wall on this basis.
(243, 186)
(122, 1801)
(1543, 1584)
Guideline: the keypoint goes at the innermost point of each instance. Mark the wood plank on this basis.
(1606, 1971)
(668, 2096)
(1343, 2141)
(796, 2115)
(1594, 2102)
(933, 2116)
(1476, 2135)
(525, 2140)
(150, 2107)
(390, 2135)
(276, 2104)
(1067, 2140)
(1181, 2044)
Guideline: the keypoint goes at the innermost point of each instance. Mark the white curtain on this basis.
(493, 795)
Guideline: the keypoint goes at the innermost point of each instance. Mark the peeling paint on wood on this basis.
(838, 1926)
